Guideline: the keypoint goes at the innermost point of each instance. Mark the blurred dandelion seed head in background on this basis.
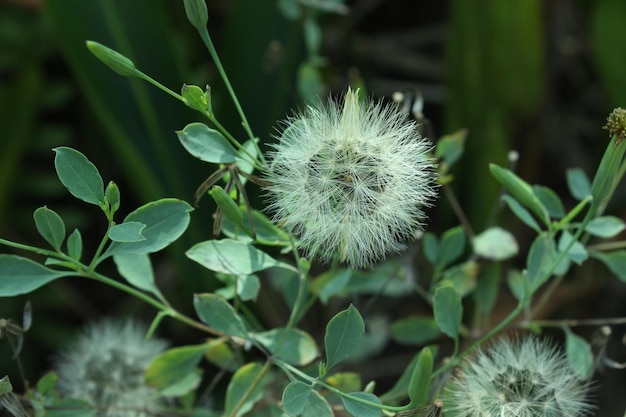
(350, 181)
(105, 366)
(524, 377)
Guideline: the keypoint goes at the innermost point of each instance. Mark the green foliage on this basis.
(270, 362)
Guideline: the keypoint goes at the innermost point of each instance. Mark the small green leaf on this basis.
(579, 354)
(343, 335)
(50, 226)
(47, 383)
(71, 407)
(519, 284)
(175, 364)
(239, 389)
(217, 313)
(79, 175)
(248, 287)
(165, 221)
(605, 226)
(75, 245)
(495, 244)
(448, 310)
(206, 144)
(541, 261)
(136, 268)
(462, 277)
(360, 409)
(615, 261)
(221, 354)
(521, 213)
(20, 275)
(450, 147)
(127, 232)
(317, 406)
(419, 385)
(452, 246)
(577, 252)
(330, 283)
(578, 183)
(291, 345)
(295, 397)
(550, 201)
(415, 330)
(231, 256)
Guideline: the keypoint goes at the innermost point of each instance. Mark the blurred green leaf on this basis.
(75, 245)
(448, 310)
(579, 354)
(247, 287)
(615, 261)
(291, 345)
(487, 287)
(174, 365)
(419, 385)
(217, 313)
(550, 200)
(239, 386)
(451, 246)
(578, 183)
(577, 252)
(605, 226)
(415, 330)
(521, 213)
(317, 406)
(496, 244)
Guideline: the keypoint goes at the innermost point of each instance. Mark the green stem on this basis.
(206, 38)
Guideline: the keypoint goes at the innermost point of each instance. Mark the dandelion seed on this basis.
(517, 378)
(350, 182)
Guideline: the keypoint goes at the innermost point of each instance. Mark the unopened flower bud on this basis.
(113, 59)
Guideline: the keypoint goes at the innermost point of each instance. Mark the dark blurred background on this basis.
(536, 76)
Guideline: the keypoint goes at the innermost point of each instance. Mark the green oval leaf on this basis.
(605, 226)
(360, 409)
(495, 244)
(239, 387)
(248, 287)
(136, 268)
(578, 183)
(79, 175)
(75, 245)
(50, 226)
(448, 310)
(579, 354)
(451, 246)
(217, 313)
(231, 256)
(550, 201)
(291, 345)
(20, 275)
(206, 144)
(295, 397)
(127, 232)
(415, 330)
(165, 221)
(174, 365)
(343, 335)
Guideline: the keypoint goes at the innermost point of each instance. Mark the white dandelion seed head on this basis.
(517, 378)
(105, 366)
(350, 181)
